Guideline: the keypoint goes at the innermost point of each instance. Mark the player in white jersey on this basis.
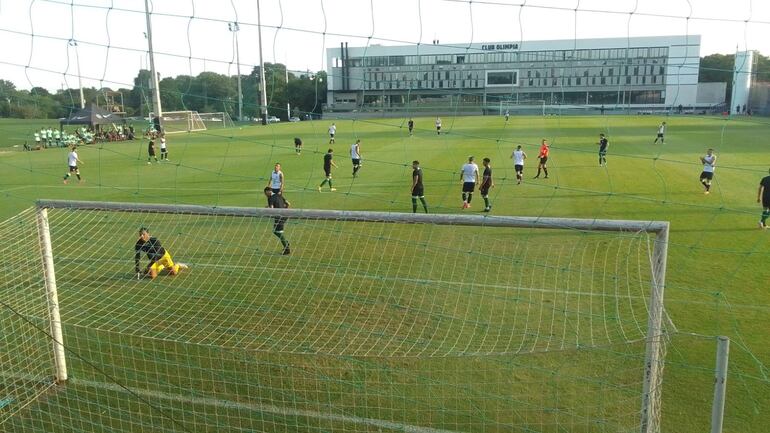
(163, 150)
(469, 175)
(661, 132)
(518, 157)
(332, 131)
(507, 115)
(72, 163)
(709, 162)
(276, 179)
(438, 125)
(355, 156)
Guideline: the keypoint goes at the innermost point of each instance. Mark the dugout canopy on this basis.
(91, 116)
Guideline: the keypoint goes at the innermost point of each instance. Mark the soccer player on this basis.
(332, 131)
(518, 157)
(163, 150)
(543, 156)
(298, 145)
(417, 188)
(661, 131)
(486, 183)
(72, 162)
(411, 126)
(159, 257)
(277, 201)
(469, 175)
(328, 164)
(763, 196)
(507, 115)
(709, 161)
(151, 152)
(603, 145)
(438, 125)
(355, 156)
(276, 179)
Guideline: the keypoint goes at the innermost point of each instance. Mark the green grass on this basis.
(716, 278)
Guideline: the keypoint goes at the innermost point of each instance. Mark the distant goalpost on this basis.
(175, 122)
(415, 322)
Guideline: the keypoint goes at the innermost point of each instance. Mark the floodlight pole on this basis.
(234, 27)
(288, 104)
(74, 43)
(262, 87)
(156, 88)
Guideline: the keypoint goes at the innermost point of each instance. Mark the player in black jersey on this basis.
(603, 145)
(159, 257)
(298, 145)
(417, 188)
(328, 164)
(486, 183)
(411, 126)
(763, 196)
(278, 201)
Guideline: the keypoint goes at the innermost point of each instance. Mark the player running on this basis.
(486, 183)
(410, 124)
(332, 131)
(661, 133)
(355, 156)
(276, 179)
(763, 196)
(438, 125)
(328, 164)
(518, 157)
(159, 257)
(543, 156)
(72, 163)
(277, 201)
(603, 145)
(709, 161)
(418, 191)
(469, 175)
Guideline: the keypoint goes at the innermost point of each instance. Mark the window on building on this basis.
(593, 81)
(460, 59)
(628, 79)
(578, 81)
(502, 78)
(661, 70)
(636, 70)
(604, 80)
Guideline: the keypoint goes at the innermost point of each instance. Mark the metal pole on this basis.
(74, 44)
(156, 88)
(262, 87)
(288, 104)
(650, 421)
(235, 28)
(720, 384)
(53, 298)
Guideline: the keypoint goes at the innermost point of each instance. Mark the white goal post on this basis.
(373, 358)
(174, 122)
(217, 120)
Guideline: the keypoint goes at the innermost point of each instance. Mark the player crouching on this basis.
(160, 258)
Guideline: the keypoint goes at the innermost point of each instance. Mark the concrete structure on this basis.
(660, 71)
(744, 62)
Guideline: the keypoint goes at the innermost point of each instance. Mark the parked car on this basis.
(293, 119)
(273, 119)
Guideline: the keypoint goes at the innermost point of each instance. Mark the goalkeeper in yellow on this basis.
(159, 257)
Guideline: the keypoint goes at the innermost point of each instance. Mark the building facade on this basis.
(639, 71)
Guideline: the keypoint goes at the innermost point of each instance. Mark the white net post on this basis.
(720, 384)
(52, 295)
(654, 352)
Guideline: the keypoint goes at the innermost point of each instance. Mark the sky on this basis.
(44, 40)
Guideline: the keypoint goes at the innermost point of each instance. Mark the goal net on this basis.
(374, 322)
(182, 121)
(216, 120)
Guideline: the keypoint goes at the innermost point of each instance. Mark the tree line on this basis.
(207, 92)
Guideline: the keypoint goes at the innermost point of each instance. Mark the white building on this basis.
(640, 71)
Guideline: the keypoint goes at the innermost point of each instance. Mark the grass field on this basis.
(385, 336)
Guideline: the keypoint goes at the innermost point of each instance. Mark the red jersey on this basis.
(543, 151)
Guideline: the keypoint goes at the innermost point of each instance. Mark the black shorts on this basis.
(602, 153)
(438, 128)
(418, 192)
(659, 135)
(519, 168)
(469, 186)
(328, 171)
(484, 190)
(331, 136)
(278, 224)
(151, 153)
(356, 161)
(276, 190)
(766, 202)
(707, 175)
(73, 168)
(543, 160)
(162, 150)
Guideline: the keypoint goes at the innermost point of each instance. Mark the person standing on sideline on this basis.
(661, 133)
(763, 196)
(332, 131)
(72, 163)
(709, 161)
(328, 164)
(355, 156)
(278, 201)
(543, 156)
(151, 152)
(163, 150)
(298, 145)
(411, 126)
(603, 145)
(438, 125)
(518, 157)
(486, 183)
(469, 175)
(276, 180)
(418, 191)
